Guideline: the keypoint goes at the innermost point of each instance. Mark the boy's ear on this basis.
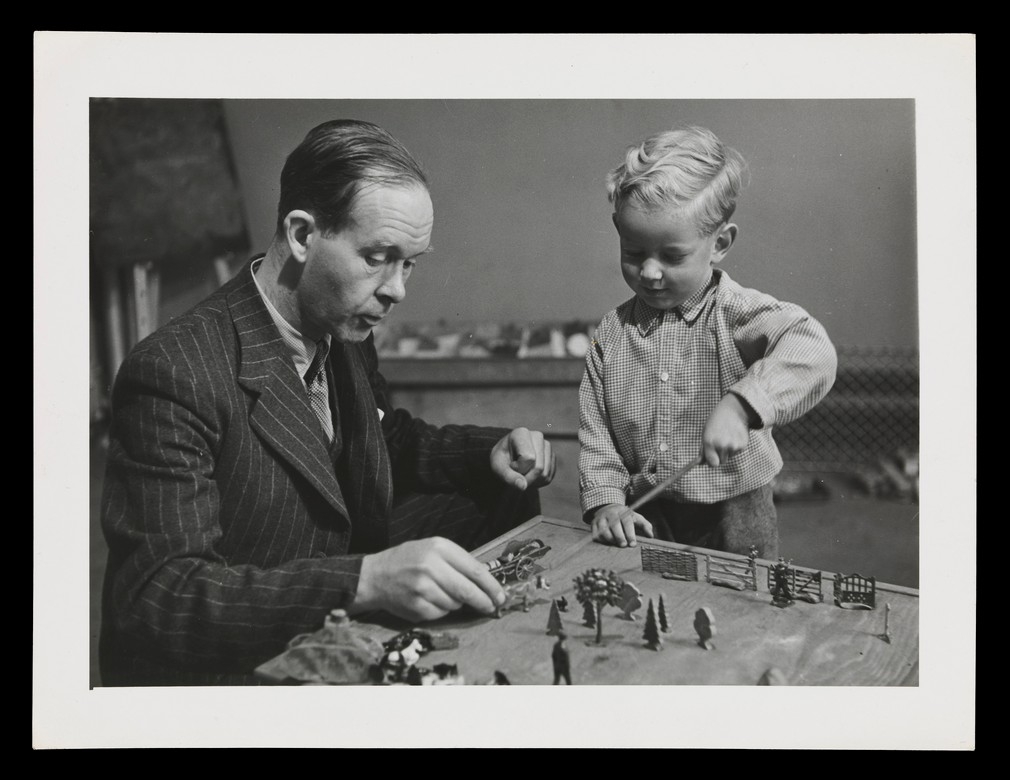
(724, 239)
(299, 231)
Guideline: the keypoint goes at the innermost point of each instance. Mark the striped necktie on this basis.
(316, 385)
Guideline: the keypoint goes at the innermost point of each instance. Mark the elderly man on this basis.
(258, 476)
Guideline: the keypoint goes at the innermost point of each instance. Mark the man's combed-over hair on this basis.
(688, 170)
(325, 172)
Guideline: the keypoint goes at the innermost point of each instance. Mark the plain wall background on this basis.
(522, 224)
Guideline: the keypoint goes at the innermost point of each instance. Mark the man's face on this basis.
(352, 278)
(663, 258)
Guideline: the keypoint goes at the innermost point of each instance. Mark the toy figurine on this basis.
(886, 636)
(631, 601)
(598, 587)
(651, 634)
(704, 624)
(781, 595)
(773, 676)
(554, 624)
(589, 614)
(563, 604)
(559, 657)
(522, 593)
(499, 679)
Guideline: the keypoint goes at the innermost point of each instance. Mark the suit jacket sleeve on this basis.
(172, 596)
(427, 458)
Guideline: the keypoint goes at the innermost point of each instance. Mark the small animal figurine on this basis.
(522, 593)
(563, 604)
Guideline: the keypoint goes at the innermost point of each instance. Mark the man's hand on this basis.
(612, 526)
(424, 580)
(727, 430)
(524, 459)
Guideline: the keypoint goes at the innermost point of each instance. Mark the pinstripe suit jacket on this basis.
(228, 529)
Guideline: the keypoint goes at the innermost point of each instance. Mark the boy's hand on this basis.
(610, 528)
(727, 430)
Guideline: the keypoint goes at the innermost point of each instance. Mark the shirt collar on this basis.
(300, 349)
(646, 317)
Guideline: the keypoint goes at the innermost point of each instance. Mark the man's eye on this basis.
(409, 265)
(374, 261)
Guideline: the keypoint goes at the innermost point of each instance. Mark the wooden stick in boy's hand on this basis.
(660, 487)
(611, 523)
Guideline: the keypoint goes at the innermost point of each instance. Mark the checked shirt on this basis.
(652, 379)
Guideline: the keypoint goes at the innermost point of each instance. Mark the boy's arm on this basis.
(603, 477)
(791, 362)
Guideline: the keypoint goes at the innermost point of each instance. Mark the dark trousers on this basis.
(733, 525)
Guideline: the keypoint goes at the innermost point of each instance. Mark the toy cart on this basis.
(518, 561)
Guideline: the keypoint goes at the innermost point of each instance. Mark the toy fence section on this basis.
(804, 584)
(727, 573)
(854, 591)
(683, 565)
(671, 564)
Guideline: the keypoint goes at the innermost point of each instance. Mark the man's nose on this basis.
(652, 272)
(394, 286)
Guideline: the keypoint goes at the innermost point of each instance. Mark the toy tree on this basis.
(664, 622)
(651, 633)
(704, 624)
(631, 600)
(554, 624)
(598, 587)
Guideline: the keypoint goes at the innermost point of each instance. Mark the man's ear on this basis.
(724, 239)
(299, 232)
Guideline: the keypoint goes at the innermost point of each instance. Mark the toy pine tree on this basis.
(589, 614)
(554, 624)
(664, 622)
(704, 624)
(651, 633)
(598, 587)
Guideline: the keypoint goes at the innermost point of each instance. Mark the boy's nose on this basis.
(651, 272)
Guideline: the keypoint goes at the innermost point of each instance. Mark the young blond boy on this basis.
(693, 365)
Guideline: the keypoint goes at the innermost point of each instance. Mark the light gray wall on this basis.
(522, 224)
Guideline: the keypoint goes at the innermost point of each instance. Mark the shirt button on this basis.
(664, 447)
(664, 376)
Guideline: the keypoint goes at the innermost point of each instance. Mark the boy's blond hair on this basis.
(688, 169)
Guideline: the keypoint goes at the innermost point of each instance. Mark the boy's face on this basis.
(663, 257)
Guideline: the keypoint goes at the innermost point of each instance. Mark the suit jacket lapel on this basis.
(364, 460)
(280, 413)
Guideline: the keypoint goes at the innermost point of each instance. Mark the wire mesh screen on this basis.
(871, 412)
